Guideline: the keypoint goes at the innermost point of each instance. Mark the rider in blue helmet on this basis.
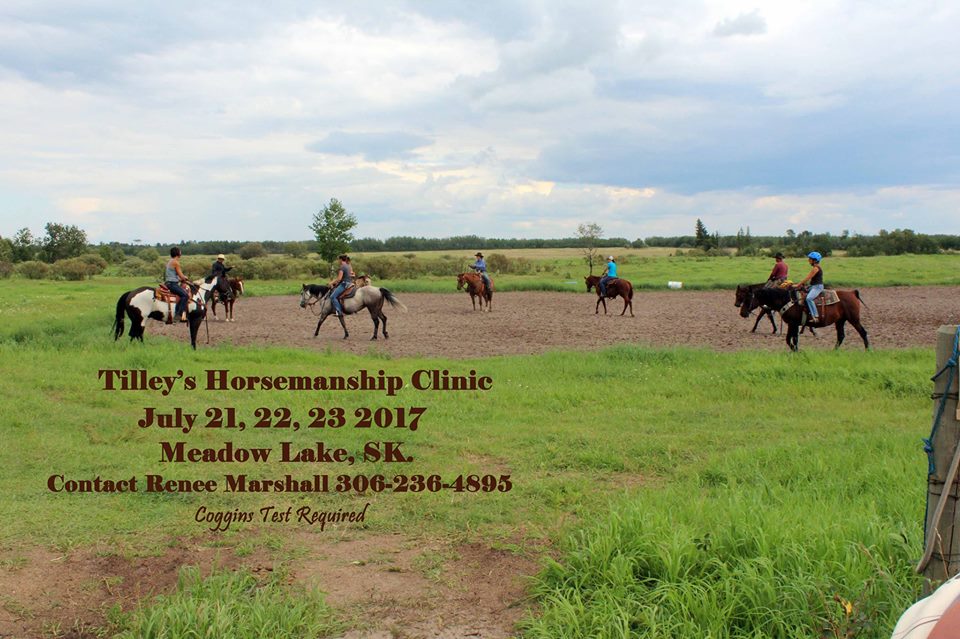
(815, 278)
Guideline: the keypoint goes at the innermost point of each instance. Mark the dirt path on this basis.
(443, 325)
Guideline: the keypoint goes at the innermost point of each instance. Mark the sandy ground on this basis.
(444, 325)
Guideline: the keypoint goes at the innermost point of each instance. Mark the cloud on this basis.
(744, 24)
(370, 146)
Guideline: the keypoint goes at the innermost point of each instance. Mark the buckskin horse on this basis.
(794, 313)
(141, 303)
(476, 288)
(236, 286)
(364, 297)
(615, 287)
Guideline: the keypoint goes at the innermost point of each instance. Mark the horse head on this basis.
(743, 291)
(591, 280)
(220, 285)
(461, 281)
(304, 296)
(746, 300)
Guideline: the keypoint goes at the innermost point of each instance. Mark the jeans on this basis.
(335, 297)
(182, 294)
(486, 280)
(603, 284)
(812, 294)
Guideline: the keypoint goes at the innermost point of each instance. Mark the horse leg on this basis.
(383, 318)
(344, 325)
(624, 311)
(317, 332)
(769, 313)
(376, 322)
(840, 333)
(863, 332)
(597, 309)
(793, 337)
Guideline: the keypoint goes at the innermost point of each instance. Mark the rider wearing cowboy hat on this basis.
(779, 273)
(480, 266)
(219, 268)
(609, 274)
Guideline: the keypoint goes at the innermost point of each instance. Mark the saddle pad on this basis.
(350, 292)
(827, 297)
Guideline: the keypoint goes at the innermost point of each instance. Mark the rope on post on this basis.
(929, 536)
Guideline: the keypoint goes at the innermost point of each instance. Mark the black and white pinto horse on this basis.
(365, 297)
(141, 303)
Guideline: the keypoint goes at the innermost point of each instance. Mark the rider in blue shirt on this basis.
(609, 274)
(480, 266)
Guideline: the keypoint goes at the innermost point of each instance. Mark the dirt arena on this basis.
(444, 325)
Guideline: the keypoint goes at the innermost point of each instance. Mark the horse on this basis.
(364, 297)
(615, 287)
(847, 309)
(236, 285)
(476, 288)
(141, 303)
(743, 292)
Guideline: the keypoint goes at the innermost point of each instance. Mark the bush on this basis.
(134, 266)
(33, 270)
(111, 254)
(148, 254)
(296, 249)
(76, 268)
(251, 250)
(6, 269)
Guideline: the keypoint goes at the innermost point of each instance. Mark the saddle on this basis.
(164, 294)
(827, 298)
(348, 292)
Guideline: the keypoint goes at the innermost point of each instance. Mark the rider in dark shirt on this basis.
(219, 268)
(344, 278)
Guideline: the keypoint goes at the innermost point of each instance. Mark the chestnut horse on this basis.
(476, 288)
(236, 285)
(615, 287)
(794, 313)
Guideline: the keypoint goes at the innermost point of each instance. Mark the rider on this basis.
(219, 268)
(609, 274)
(480, 266)
(173, 276)
(779, 273)
(815, 277)
(343, 280)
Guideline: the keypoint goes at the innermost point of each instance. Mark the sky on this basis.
(167, 121)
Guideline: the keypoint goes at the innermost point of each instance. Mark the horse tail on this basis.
(390, 297)
(856, 293)
(118, 321)
(630, 293)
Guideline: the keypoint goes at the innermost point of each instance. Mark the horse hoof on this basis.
(373, 338)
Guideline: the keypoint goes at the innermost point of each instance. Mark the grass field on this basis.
(683, 493)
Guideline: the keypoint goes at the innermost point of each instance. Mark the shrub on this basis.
(134, 266)
(251, 250)
(76, 269)
(296, 249)
(33, 270)
(6, 269)
(148, 254)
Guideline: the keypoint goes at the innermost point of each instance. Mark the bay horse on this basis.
(236, 285)
(476, 288)
(365, 297)
(615, 287)
(141, 303)
(794, 313)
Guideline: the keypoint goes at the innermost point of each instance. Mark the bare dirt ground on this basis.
(388, 586)
(444, 325)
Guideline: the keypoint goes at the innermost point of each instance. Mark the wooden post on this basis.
(942, 550)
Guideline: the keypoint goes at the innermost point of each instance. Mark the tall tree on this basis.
(62, 242)
(332, 226)
(24, 248)
(702, 235)
(589, 234)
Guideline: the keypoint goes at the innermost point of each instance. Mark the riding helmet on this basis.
(815, 256)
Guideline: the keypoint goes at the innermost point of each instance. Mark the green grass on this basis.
(231, 605)
(690, 493)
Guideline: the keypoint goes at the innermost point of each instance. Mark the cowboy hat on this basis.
(221, 257)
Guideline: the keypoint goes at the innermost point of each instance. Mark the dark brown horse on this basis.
(476, 288)
(743, 292)
(615, 287)
(794, 313)
(236, 285)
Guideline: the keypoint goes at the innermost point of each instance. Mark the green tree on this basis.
(702, 235)
(62, 242)
(332, 226)
(589, 234)
(24, 247)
